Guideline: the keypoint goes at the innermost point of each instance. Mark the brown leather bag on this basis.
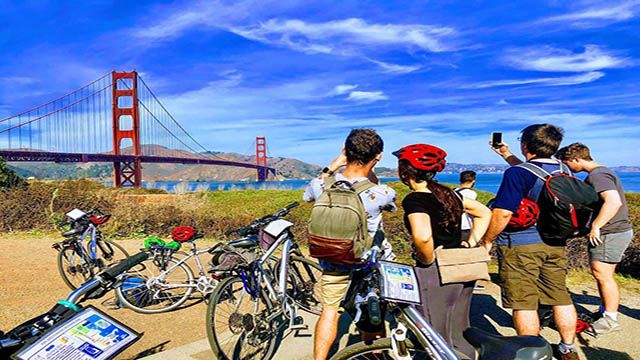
(462, 264)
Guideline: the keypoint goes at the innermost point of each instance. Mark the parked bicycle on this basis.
(260, 291)
(77, 263)
(165, 281)
(394, 287)
(70, 331)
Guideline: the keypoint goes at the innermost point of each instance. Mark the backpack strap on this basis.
(362, 186)
(535, 170)
(328, 182)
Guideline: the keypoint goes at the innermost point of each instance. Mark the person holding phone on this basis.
(532, 271)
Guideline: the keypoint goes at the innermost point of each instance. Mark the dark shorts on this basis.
(612, 248)
(533, 274)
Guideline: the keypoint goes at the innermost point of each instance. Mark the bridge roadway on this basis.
(12, 155)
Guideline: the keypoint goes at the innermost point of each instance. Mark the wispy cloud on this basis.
(366, 96)
(552, 59)
(395, 68)
(548, 81)
(597, 16)
(348, 36)
(343, 89)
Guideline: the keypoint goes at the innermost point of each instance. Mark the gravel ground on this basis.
(30, 284)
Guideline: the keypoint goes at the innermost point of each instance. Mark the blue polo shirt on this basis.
(518, 183)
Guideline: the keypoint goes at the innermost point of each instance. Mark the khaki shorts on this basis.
(333, 288)
(533, 274)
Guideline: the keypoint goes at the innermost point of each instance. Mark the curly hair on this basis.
(575, 151)
(362, 146)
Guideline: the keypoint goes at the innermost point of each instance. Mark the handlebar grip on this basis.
(292, 205)
(373, 307)
(112, 273)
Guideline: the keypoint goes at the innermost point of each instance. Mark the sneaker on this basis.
(605, 325)
(571, 355)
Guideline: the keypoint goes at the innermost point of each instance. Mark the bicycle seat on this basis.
(508, 347)
(244, 243)
(71, 232)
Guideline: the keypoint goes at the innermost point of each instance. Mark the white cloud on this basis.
(367, 96)
(597, 16)
(348, 36)
(560, 60)
(343, 89)
(549, 81)
(396, 68)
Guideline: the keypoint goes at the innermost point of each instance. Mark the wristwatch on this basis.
(327, 171)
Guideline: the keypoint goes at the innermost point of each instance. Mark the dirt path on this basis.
(30, 285)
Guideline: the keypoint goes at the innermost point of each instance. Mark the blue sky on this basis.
(303, 73)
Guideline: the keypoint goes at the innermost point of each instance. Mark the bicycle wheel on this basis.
(377, 350)
(147, 289)
(303, 283)
(107, 253)
(237, 325)
(73, 266)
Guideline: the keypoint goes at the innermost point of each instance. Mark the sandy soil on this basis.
(30, 284)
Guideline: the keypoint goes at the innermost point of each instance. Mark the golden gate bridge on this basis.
(116, 119)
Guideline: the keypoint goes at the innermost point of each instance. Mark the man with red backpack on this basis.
(532, 270)
(610, 232)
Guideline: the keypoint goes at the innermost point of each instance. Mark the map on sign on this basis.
(88, 335)
(399, 282)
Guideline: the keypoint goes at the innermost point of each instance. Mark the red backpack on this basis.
(567, 204)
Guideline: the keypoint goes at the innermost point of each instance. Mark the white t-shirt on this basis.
(467, 220)
(374, 200)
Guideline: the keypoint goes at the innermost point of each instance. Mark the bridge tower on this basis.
(126, 125)
(261, 157)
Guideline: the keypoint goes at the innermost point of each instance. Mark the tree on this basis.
(8, 178)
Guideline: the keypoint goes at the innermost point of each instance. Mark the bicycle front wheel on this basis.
(148, 289)
(74, 267)
(303, 283)
(381, 349)
(238, 326)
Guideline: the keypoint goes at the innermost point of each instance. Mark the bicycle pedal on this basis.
(299, 327)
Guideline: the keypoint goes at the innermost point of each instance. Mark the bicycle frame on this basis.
(79, 248)
(193, 254)
(429, 339)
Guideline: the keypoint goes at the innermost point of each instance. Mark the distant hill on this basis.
(287, 168)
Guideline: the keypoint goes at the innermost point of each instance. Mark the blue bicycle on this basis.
(77, 263)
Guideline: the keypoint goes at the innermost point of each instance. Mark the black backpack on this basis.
(567, 205)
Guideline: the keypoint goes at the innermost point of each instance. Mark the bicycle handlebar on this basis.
(258, 223)
(112, 273)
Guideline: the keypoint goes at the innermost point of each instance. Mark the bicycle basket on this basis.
(265, 240)
(227, 257)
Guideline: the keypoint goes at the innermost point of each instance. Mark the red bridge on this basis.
(117, 119)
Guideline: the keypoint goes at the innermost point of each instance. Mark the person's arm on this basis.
(506, 154)
(422, 237)
(336, 164)
(481, 218)
(612, 203)
(373, 177)
(499, 220)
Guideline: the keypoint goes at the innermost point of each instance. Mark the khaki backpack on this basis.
(338, 226)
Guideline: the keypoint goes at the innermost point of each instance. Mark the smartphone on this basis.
(496, 139)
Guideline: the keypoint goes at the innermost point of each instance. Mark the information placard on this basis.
(399, 282)
(88, 335)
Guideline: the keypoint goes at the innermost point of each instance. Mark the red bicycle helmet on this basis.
(525, 217)
(183, 233)
(423, 157)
